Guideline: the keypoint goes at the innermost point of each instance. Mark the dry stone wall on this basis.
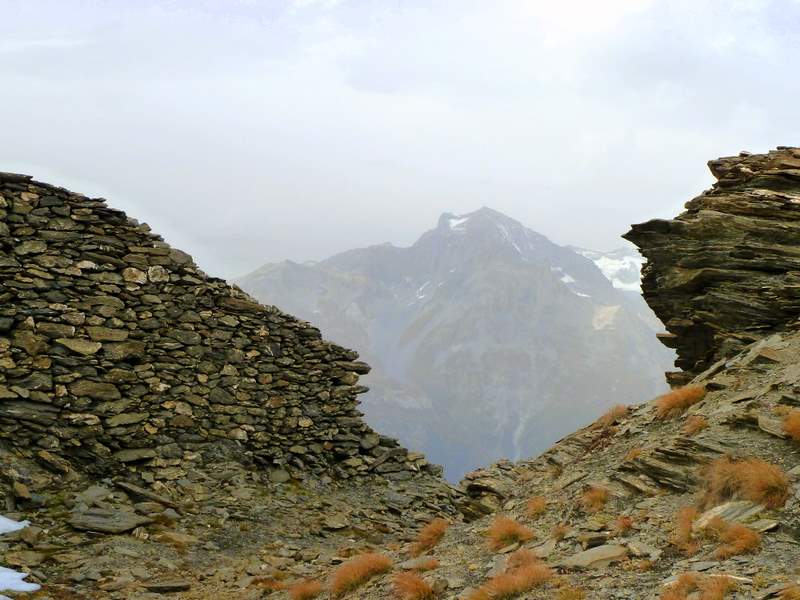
(117, 352)
(726, 272)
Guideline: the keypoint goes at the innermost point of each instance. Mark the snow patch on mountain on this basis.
(622, 267)
(457, 222)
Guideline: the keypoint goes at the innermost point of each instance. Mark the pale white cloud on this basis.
(10, 45)
(256, 130)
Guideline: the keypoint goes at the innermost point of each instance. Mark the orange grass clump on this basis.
(679, 590)
(675, 403)
(427, 564)
(514, 582)
(269, 583)
(411, 586)
(594, 498)
(504, 532)
(790, 593)
(536, 506)
(682, 536)
(633, 454)
(716, 588)
(560, 531)
(623, 525)
(791, 425)
(747, 479)
(429, 536)
(734, 538)
(644, 565)
(694, 424)
(521, 558)
(305, 590)
(611, 416)
(357, 571)
(710, 588)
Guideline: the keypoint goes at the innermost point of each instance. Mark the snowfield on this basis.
(10, 580)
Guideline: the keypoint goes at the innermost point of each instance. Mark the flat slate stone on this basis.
(134, 454)
(107, 521)
(80, 346)
(732, 512)
(167, 587)
(595, 558)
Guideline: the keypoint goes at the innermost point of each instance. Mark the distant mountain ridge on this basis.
(486, 338)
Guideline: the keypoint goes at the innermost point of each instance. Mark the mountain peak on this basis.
(484, 215)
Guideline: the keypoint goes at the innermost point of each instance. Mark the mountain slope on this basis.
(486, 339)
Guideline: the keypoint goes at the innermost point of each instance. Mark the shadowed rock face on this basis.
(118, 352)
(727, 270)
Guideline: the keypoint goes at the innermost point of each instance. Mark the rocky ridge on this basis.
(724, 273)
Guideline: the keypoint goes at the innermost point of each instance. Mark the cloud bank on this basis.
(249, 131)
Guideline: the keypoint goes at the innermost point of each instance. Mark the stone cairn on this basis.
(726, 272)
(118, 354)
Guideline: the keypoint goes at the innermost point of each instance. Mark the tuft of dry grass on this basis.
(633, 454)
(746, 479)
(716, 588)
(791, 425)
(675, 403)
(429, 536)
(790, 593)
(710, 588)
(560, 531)
(357, 571)
(536, 506)
(623, 525)
(682, 536)
(505, 531)
(594, 498)
(410, 586)
(512, 583)
(686, 583)
(270, 583)
(643, 566)
(694, 424)
(428, 564)
(611, 416)
(305, 590)
(521, 558)
(734, 538)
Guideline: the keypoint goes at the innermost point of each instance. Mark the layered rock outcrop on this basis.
(117, 352)
(726, 272)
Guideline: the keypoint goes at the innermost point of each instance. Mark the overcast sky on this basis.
(249, 131)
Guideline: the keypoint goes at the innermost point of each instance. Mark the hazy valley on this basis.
(486, 339)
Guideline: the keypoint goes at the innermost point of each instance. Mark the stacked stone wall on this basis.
(118, 352)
